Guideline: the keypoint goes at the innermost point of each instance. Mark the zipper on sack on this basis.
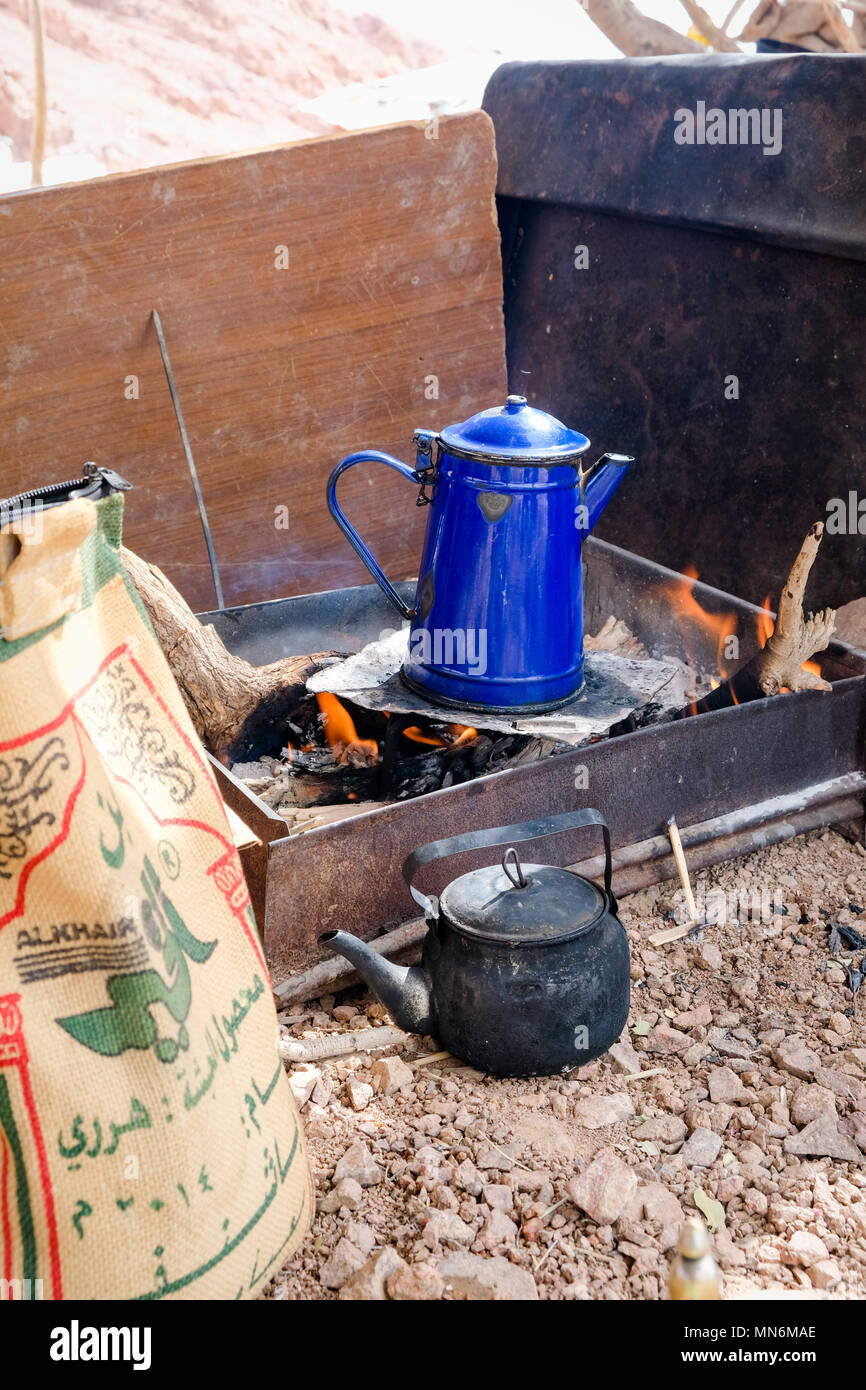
(92, 483)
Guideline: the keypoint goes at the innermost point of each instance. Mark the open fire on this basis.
(342, 739)
(370, 745)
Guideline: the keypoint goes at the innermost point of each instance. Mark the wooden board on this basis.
(393, 291)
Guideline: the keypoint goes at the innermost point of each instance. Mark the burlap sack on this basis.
(149, 1144)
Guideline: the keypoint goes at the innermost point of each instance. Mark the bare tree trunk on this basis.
(234, 706)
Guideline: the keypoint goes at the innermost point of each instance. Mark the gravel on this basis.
(445, 1184)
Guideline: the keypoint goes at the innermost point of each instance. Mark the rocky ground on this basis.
(738, 1088)
(130, 85)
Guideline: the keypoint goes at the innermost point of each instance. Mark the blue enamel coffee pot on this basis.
(497, 622)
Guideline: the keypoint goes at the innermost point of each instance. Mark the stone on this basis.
(822, 1139)
(497, 1230)
(347, 1193)
(661, 1208)
(360, 1235)
(598, 1111)
(854, 1126)
(720, 1117)
(498, 1196)
(708, 957)
(443, 1198)
(725, 1086)
(344, 1012)
(824, 1275)
(793, 1056)
(358, 1163)
(698, 1017)
(391, 1074)
(755, 1201)
(476, 1279)
(415, 1283)
(345, 1260)
(810, 1102)
(367, 1284)
(359, 1092)
(468, 1179)
(728, 1047)
(447, 1228)
(840, 1023)
(701, 1148)
(604, 1189)
(623, 1057)
(497, 1159)
(841, 1083)
(804, 1250)
(667, 1040)
(730, 1255)
(669, 1130)
(302, 1084)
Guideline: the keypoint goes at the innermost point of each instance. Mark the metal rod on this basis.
(190, 462)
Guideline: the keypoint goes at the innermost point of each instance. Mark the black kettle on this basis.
(525, 967)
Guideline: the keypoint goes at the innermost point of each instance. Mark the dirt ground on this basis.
(741, 1078)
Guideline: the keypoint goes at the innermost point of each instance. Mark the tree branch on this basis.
(633, 33)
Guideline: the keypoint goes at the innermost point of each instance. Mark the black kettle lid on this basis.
(514, 904)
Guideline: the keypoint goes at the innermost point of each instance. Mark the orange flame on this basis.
(460, 733)
(766, 626)
(692, 619)
(463, 732)
(340, 730)
(415, 734)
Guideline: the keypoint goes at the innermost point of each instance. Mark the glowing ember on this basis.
(341, 733)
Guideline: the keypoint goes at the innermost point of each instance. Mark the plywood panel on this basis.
(393, 280)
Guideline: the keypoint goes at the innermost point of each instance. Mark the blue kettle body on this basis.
(497, 622)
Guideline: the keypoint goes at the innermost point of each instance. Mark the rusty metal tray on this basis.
(802, 756)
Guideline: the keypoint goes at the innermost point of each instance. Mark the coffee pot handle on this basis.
(420, 474)
(505, 835)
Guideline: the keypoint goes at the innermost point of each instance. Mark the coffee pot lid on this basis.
(514, 904)
(514, 433)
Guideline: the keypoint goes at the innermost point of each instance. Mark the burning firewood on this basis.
(232, 704)
(781, 662)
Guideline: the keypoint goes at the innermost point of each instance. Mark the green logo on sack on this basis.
(129, 1022)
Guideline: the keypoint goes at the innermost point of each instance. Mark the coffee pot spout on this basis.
(598, 483)
(404, 990)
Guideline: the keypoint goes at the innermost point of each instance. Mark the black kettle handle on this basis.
(504, 835)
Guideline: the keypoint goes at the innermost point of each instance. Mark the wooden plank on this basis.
(392, 293)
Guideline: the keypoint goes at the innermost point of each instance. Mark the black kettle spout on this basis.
(404, 990)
